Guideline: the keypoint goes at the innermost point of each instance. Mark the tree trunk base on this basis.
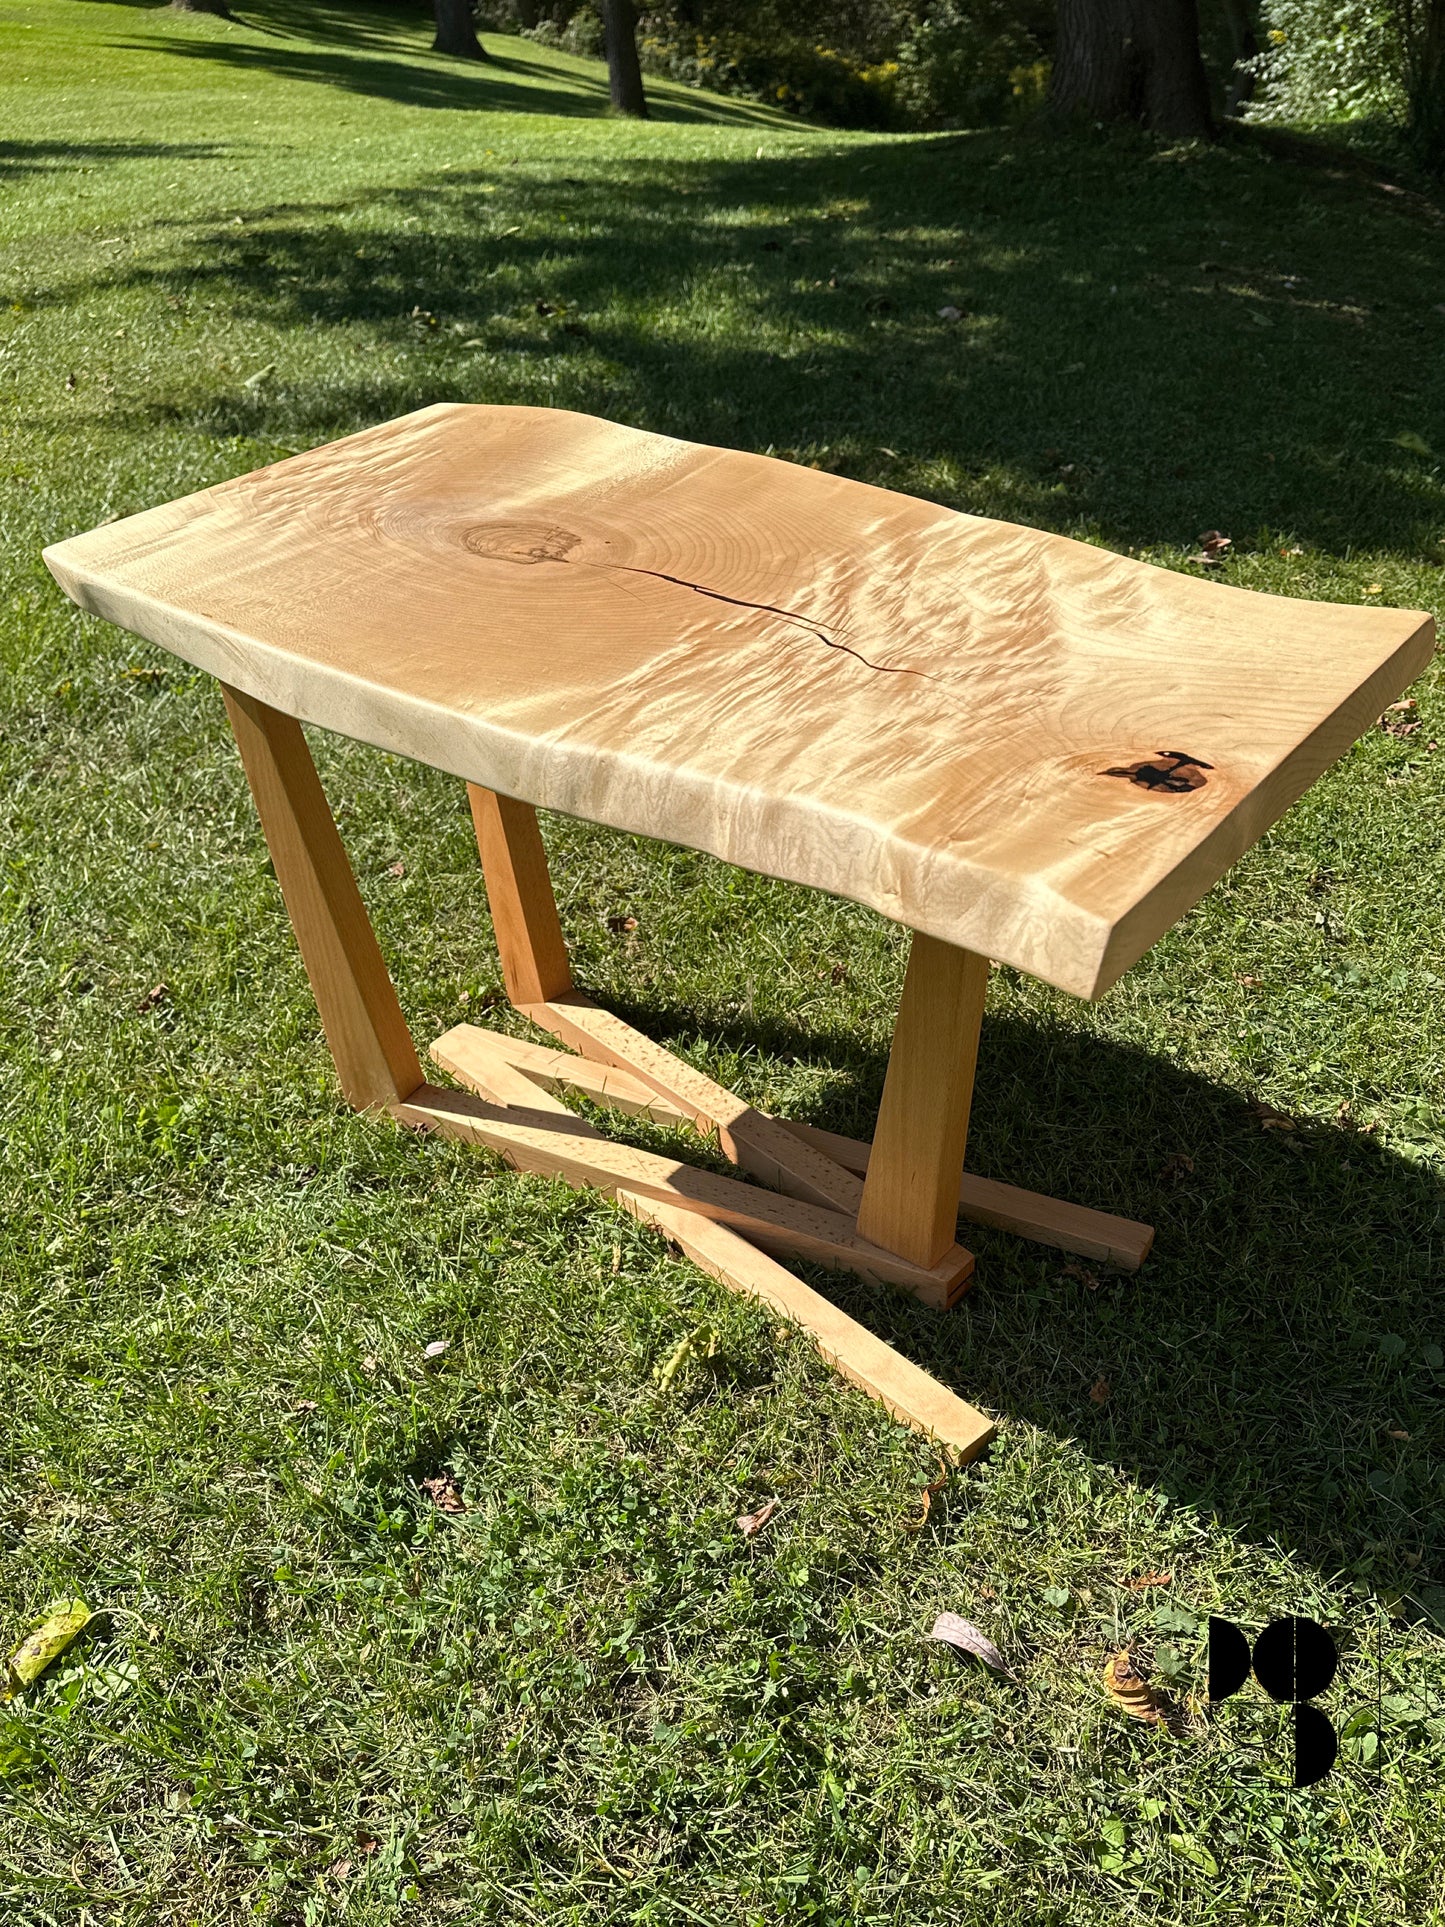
(456, 31)
(1133, 60)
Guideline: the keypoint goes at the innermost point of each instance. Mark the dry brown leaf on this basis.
(304, 1405)
(1142, 1581)
(1177, 1165)
(1395, 1432)
(371, 1365)
(1100, 1389)
(1400, 719)
(750, 1524)
(396, 869)
(927, 1496)
(1249, 983)
(1128, 1686)
(366, 1844)
(965, 1637)
(621, 926)
(154, 997)
(445, 1493)
(1090, 1280)
(1213, 547)
(1269, 1119)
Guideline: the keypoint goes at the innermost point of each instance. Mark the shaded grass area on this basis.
(585, 1698)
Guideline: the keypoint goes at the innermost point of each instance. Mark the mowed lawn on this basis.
(312, 1696)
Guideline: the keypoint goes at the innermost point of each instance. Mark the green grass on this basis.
(586, 1700)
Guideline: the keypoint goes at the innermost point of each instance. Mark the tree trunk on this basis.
(202, 6)
(1243, 32)
(457, 31)
(1133, 60)
(1425, 80)
(624, 73)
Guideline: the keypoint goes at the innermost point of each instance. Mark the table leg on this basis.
(910, 1195)
(375, 1057)
(519, 895)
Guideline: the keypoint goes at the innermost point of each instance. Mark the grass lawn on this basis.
(318, 1698)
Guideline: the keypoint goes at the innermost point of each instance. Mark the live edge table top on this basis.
(927, 712)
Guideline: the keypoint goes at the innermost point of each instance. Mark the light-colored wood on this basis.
(811, 677)
(538, 1140)
(375, 1057)
(1005, 1207)
(752, 1139)
(519, 896)
(910, 1195)
(902, 1388)
(558, 1070)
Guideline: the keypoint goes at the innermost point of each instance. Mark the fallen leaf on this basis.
(1142, 1581)
(153, 997)
(366, 1843)
(965, 1637)
(1400, 719)
(396, 869)
(1375, 588)
(1129, 1688)
(1270, 1119)
(305, 1405)
(1100, 1389)
(839, 973)
(1177, 1165)
(65, 1618)
(445, 1493)
(620, 926)
(701, 1343)
(1090, 1280)
(616, 1265)
(1394, 1432)
(1213, 548)
(339, 1870)
(750, 1524)
(1249, 983)
(371, 1365)
(950, 313)
(927, 1496)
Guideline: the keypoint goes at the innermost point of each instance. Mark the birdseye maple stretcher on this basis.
(1024, 748)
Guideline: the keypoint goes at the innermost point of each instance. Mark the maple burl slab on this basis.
(924, 711)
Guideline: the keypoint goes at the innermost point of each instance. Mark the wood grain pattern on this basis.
(1006, 1207)
(910, 1196)
(538, 1140)
(519, 896)
(375, 1057)
(752, 1139)
(901, 1387)
(805, 675)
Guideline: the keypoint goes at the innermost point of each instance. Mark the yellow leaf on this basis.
(67, 1618)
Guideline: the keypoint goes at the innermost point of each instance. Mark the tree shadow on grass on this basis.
(1145, 345)
(1266, 1363)
(57, 157)
(503, 83)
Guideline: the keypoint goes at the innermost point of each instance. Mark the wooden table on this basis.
(1025, 748)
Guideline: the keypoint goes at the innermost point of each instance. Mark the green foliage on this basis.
(814, 80)
(1327, 60)
(964, 63)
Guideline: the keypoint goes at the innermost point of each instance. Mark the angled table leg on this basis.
(910, 1195)
(375, 1057)
(519, 896)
